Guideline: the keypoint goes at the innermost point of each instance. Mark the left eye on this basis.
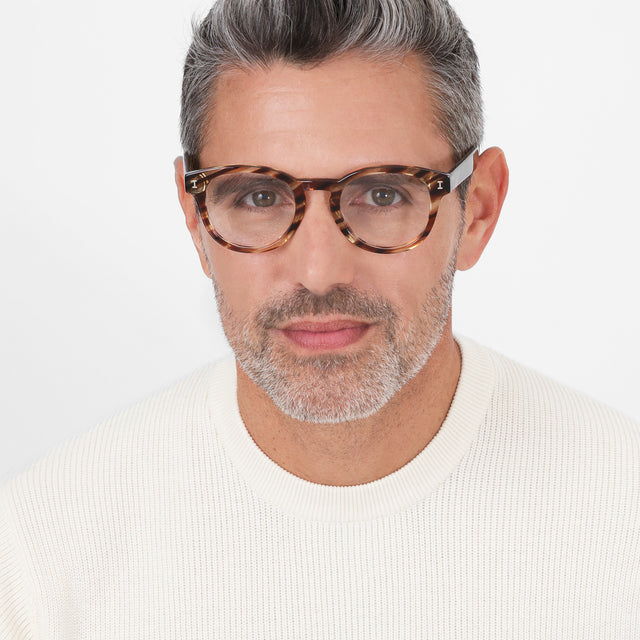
(382, 196)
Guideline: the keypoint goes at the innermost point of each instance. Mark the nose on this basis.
(319, 256)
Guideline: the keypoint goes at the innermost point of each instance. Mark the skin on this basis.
(326, 121)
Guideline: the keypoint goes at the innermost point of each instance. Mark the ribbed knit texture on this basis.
(521, 519)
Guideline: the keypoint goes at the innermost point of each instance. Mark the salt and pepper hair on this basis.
(246, 33)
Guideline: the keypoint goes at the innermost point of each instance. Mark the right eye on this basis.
(263, 198)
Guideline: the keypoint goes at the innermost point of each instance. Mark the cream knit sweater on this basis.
(521, 519)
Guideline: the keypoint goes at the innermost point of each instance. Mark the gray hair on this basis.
(245, 33)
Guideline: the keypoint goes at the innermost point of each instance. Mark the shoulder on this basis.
(142, 439)
(122, 478)
(531, 395)
(542, 423)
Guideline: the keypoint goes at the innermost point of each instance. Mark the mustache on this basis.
(342, 300)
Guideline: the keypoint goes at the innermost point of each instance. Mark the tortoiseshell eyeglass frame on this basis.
(439, 184)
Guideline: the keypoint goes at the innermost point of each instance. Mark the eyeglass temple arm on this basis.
(463, 170)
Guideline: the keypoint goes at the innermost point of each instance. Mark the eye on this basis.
(383, 196)
(263, 198)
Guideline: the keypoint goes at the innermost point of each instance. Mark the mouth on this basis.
(324, 335)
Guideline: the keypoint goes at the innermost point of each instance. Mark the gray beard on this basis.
(334, 388)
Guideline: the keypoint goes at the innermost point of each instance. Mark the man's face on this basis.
(331, 332)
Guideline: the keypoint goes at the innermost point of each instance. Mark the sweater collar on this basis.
(399, 491)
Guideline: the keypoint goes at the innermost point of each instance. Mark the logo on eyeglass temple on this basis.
(194, 184)
(440, 187)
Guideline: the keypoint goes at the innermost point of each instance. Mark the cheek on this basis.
(245, 280)
(406, 279)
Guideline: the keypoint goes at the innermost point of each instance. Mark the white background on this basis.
(103, 300)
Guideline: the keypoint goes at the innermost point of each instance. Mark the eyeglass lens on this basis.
(255, 210)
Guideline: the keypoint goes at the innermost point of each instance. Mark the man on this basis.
(357, 472)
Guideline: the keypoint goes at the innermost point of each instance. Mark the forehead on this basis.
(335, 116)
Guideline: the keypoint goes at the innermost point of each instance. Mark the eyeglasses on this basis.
(385, 209)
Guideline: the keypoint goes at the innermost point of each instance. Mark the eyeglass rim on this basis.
(440, 184)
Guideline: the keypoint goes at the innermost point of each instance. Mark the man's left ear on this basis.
(485, 197)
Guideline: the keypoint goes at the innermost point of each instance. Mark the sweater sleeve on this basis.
(16, 615)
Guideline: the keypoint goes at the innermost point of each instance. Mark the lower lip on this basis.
(325, 340)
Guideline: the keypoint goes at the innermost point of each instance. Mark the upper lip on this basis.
(323, 326)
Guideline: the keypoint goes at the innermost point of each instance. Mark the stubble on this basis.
(333, 388)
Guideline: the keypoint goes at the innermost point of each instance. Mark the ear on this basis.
(192, 218)
(485, 197)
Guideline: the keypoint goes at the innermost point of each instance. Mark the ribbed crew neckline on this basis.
(387, 496)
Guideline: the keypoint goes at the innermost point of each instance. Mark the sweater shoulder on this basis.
(151, 429)
(543, 420)
(530, 393)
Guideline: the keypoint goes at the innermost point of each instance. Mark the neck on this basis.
(351, 453)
